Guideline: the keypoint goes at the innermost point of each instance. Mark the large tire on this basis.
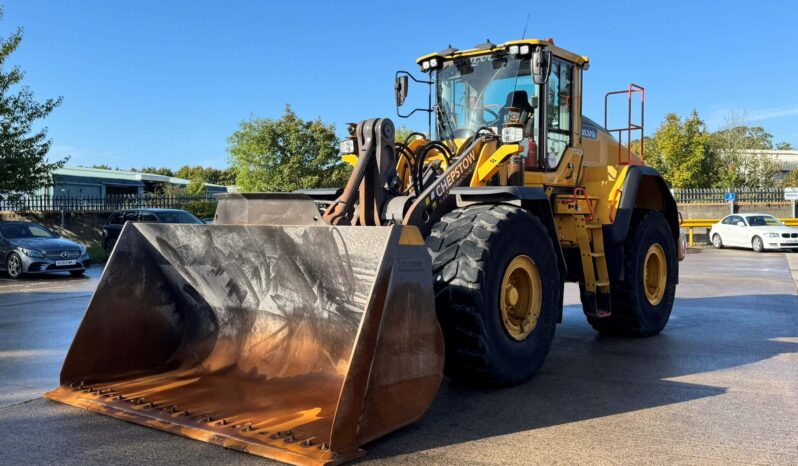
(633, 312)
(471, 250)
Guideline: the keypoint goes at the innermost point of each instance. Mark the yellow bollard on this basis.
(690, 233)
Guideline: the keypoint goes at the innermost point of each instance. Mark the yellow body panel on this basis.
(490, 162)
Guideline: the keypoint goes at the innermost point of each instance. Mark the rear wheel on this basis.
(14, 265)
(717, 242)
(498, 292)
(641, 304)
(757, 244)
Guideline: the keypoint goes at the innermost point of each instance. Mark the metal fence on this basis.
(714, 196)
(101, 204)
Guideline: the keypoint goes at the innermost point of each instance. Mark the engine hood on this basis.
(47, 244)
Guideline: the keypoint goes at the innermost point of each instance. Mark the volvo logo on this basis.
(64, 254)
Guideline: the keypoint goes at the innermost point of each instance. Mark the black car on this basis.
(27, 247)
(113, 226)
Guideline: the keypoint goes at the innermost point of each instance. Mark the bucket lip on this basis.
(231, 196)
(268, 447)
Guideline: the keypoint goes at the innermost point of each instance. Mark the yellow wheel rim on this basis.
(520, 299)
(655, 274)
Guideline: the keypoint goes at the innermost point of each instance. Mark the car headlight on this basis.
(771, 235)
(32, 252)
(82, 249)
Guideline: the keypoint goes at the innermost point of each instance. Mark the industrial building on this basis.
(100, 183)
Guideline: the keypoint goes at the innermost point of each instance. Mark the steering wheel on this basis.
(483, 109)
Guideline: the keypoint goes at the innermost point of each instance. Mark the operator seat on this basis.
(519, 100)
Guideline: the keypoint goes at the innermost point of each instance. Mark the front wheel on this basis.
(717, 242)
(498, 292)
(641, 303)
(757, 244)
(14, 265)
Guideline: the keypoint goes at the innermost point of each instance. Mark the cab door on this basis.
(563, 109)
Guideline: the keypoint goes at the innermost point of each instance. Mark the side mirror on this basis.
(541, 65)
(400, 89)
(740, 224)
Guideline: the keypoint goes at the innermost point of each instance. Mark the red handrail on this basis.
(633, 89)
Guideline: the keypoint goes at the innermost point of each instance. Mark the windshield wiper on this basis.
(448, 124)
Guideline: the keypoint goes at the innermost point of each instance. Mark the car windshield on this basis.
(25, 230)
(177, 216)
(476, 92)
(763, 220)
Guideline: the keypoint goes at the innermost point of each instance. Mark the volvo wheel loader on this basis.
(300, 333)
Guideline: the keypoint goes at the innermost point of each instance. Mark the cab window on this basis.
(130, 217)
(560, 99)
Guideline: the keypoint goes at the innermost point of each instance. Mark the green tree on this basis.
(157, 171)
(170, 190)
(24, 166)
(403, 132)
(791, 180)
(224, 177)
(743, 153)
(286, 154)
(196, 187)
(784, 146)
(680, 150)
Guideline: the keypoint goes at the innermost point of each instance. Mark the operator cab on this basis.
(496, 85)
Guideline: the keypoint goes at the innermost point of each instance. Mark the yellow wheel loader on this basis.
(303, 325)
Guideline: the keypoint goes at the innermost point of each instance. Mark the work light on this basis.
(347, 146)
(512, 134)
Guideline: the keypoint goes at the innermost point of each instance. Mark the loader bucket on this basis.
(298, 343)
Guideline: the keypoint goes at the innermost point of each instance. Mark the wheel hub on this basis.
(655, 274)
(520, 300)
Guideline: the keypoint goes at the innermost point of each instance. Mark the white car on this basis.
(756, 231)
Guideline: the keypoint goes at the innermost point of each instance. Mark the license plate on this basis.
(69, 262)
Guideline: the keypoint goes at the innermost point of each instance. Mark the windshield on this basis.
(763, 220)
(25, 230)
(475, 92)
(177, 217)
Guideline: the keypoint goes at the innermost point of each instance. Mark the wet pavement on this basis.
(719, 386)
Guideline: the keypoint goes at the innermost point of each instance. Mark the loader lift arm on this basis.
(371, 196)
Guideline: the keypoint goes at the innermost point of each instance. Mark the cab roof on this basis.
(487, 48)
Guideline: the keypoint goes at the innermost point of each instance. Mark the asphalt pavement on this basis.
(718, 386)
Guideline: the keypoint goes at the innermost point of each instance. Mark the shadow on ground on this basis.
(587, 376)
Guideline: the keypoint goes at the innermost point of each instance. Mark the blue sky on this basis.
(164, 83)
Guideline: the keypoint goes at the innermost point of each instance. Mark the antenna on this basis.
(523, 36)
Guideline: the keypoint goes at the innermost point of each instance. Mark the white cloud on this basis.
(772, 113)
